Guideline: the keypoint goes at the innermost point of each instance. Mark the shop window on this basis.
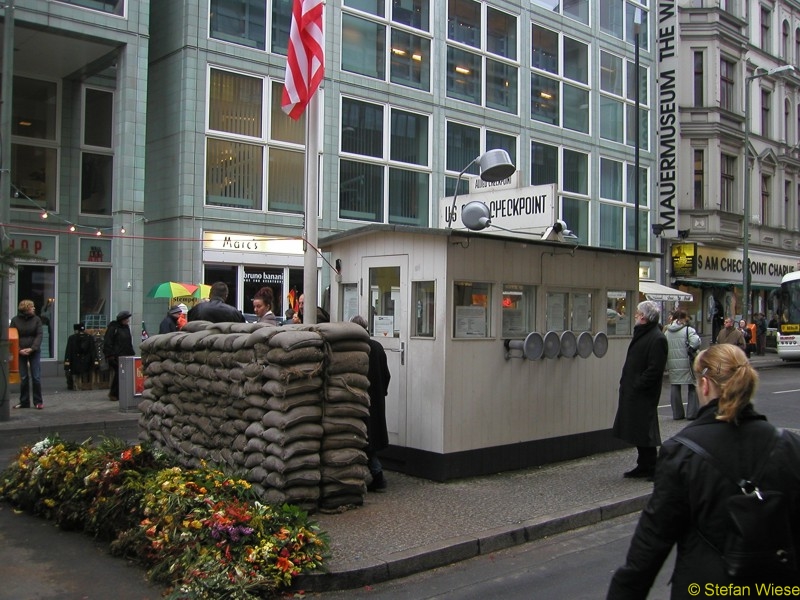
(618, 320)
(518, 310)
(229, 275)
(37, 283)
(471, 304)
(94, 294)
(257, 277)
(424, 294)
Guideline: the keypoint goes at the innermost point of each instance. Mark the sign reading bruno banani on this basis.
(528, 210)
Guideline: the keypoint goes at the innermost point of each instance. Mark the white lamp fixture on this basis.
(494, 165)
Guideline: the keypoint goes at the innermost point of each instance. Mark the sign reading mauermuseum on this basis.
(528, 210)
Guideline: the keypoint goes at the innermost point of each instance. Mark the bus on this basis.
(789, 317)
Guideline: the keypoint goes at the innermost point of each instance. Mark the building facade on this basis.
(151, 137)
(723, 54)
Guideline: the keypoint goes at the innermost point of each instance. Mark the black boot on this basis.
(378, 483)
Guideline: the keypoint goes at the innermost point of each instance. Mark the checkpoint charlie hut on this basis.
(505, 349)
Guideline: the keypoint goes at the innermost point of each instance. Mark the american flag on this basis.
(305, 64)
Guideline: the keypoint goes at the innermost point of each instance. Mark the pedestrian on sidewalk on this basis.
(680, 337)
(377, 432)
(29, 327)
(688, 507)
(78, 357)
(117, 342)
(761, 333)
(730, 335)
(640, 389)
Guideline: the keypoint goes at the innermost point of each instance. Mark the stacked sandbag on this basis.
(344, 467)
(290, 430)
(286, 406)
(193, 404)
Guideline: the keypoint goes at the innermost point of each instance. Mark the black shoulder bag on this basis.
(759, 539)
(691, 351)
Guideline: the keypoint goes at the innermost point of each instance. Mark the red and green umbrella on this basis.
(171, 289)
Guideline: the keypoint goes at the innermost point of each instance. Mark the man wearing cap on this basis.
(78, 357)
(117, 342)
(170, 323)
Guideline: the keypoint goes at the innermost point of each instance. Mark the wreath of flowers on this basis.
(202, 532)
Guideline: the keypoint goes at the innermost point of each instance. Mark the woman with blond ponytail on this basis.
(688, 505)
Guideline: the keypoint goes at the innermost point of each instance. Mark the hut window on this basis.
(472, 303)
(518, 310)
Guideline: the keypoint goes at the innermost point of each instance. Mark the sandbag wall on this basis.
(283, 405)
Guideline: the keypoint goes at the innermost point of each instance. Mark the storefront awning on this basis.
(661, 293)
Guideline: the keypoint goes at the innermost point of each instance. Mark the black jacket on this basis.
(688, 498)
(79, 353)
(640, 387)
(168, 325)
(379, 376)
(216, 311)
(29, 328)
(117, 341)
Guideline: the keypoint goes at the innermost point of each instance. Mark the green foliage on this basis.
(200, 531)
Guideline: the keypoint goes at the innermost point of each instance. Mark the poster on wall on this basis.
(470, 321)
(684, 260)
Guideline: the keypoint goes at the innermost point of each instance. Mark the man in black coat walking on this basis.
(640, 389)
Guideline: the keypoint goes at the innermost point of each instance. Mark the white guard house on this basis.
(505, 351)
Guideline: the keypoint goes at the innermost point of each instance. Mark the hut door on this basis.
(384, 303)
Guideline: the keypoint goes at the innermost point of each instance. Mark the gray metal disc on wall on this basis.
(585, 344)
(600, 344)
(569, 344)
(552, 344)
(533, 346)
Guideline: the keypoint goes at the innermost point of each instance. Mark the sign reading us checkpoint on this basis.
(754, 590)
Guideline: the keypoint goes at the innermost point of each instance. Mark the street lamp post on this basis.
(637, 26)
(746, 216)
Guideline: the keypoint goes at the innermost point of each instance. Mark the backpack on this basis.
(759, 540)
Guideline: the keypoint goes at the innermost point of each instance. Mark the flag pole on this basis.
(311, 211)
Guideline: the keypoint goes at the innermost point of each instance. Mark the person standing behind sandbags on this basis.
(377, 433)
(216, 310)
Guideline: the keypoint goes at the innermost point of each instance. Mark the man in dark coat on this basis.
(216, 310)
(169, 324)
(117, 342)
(640, 389)
(377, 434)
(78, 357)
